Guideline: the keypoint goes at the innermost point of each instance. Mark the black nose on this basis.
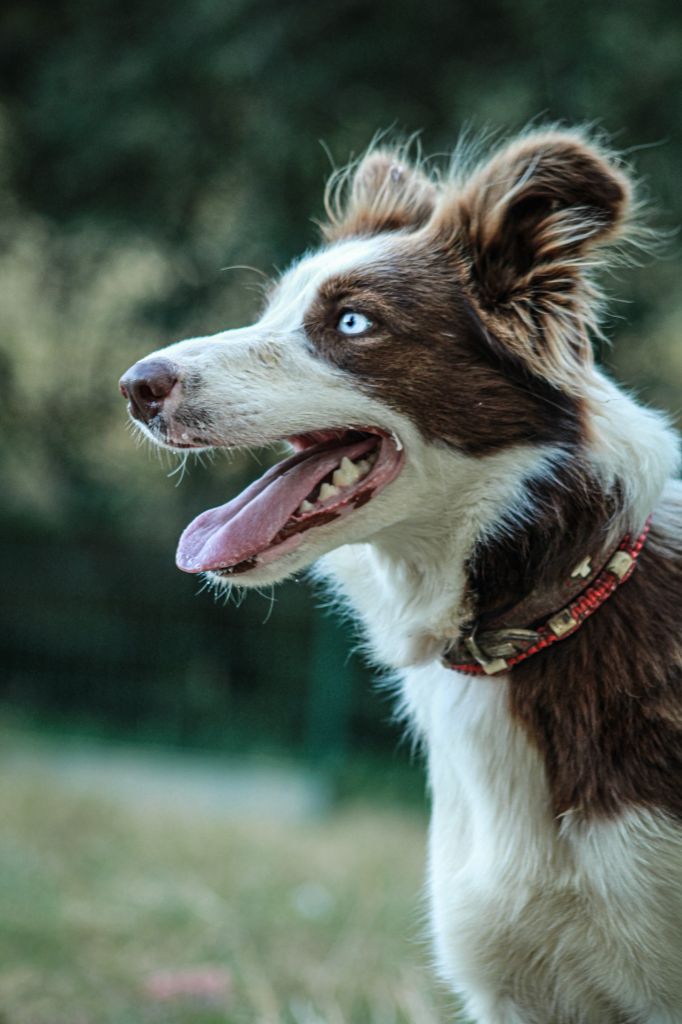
(146, 385)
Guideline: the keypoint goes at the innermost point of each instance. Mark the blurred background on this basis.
(207, 814)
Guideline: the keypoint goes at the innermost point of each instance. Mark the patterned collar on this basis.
(499, 647)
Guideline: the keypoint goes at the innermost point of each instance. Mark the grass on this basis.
(103, 900)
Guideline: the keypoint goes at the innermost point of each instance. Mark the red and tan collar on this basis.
(499, 646)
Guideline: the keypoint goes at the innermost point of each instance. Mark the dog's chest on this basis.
(525, 908)
(494, 844)
(503, 885)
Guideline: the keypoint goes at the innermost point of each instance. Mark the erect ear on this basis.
(526, 221)
(381, 193)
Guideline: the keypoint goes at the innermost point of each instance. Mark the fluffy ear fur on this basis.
(383, 192)
(526, 221)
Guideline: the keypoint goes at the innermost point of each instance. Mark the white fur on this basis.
(533, 923)
(632, 444)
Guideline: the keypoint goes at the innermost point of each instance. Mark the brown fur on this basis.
(605, 705)
(572, 517)
(429, 356)
(481, 335)
(527, 219)
(383, 193)
(521, 225)
(484, 311)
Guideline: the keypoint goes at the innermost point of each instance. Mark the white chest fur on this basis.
(533, 919)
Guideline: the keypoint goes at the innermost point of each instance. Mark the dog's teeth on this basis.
(346, 474)
(363, 467)
(327, 491)
(305, 506)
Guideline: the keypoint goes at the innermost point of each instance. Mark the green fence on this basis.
(97, 631)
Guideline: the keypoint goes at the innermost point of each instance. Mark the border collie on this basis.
(503, 520)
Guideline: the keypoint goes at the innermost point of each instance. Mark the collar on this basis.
(499, 647)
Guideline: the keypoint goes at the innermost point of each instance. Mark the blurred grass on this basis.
(306, 923)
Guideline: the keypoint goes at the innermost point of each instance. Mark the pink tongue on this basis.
(246, 525)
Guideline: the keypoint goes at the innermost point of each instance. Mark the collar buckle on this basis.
(491, 649)
(491, 666)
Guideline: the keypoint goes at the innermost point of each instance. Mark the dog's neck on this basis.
(506, 526)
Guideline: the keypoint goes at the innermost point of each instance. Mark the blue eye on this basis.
(351, 322)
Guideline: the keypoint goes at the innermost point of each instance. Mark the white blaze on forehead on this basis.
(300, 284)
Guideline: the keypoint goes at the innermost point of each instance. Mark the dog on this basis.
(504, 521)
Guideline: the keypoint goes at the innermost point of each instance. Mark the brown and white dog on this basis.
(480, 493)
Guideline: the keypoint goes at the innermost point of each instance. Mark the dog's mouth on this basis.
(332, 473)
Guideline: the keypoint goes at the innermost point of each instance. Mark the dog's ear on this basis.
(383, 192)
(526, 222)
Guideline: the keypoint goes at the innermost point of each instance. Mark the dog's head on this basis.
(442, 323)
